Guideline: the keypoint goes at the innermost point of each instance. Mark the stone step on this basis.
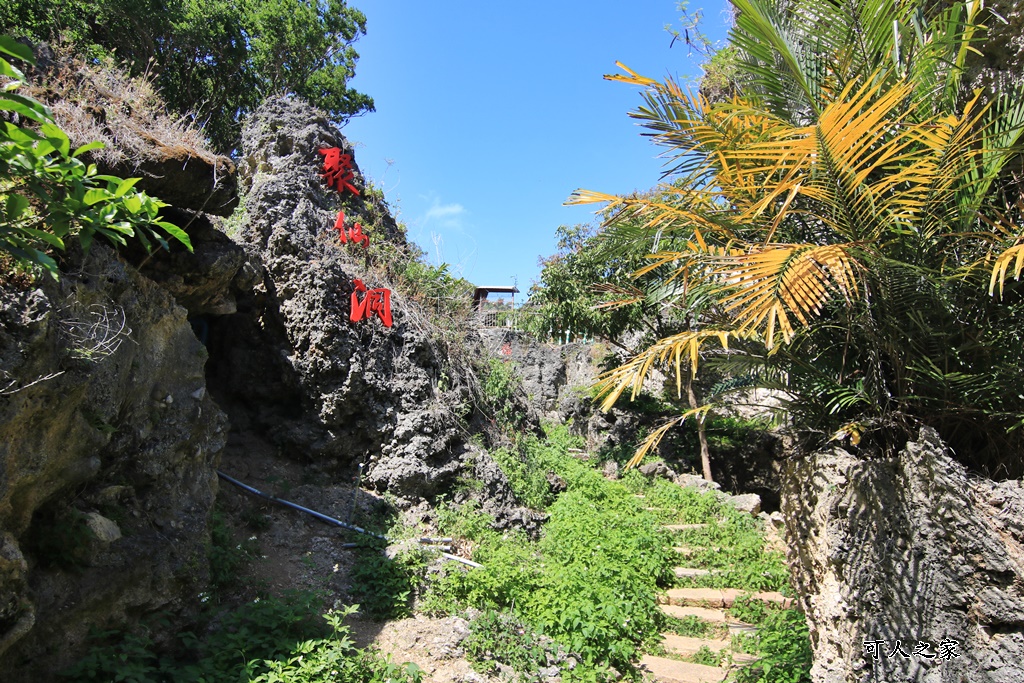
(683, 527)
(715, 616)
(721, 597)
(687, 550)
(673, 671)
(690, 572)
(684, 646)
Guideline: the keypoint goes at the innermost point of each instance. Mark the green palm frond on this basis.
(674, 350)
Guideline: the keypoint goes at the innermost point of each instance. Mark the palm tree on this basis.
(850, 217)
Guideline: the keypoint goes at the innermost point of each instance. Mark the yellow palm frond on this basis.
(653, 214)
(1014, 255)
(675, 349)
(627, 295)
(853, 430)
(633, 78)
(655, 437)
(774, 282)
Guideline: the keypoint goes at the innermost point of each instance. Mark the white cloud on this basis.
(444, 212)
(441, 226)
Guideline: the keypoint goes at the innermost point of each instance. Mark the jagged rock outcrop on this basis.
(109, 439)
(548, 372)
(108, 442)
(909, 549)
(322, 386)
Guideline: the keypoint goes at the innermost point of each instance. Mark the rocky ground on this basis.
(295, 551)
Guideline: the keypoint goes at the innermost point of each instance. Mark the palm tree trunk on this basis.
(705, 456)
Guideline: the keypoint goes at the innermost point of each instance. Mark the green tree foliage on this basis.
(48, 194)
(214, 60)
(587, 287)
(848, 217)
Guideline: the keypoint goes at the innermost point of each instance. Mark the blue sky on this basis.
(489, 114)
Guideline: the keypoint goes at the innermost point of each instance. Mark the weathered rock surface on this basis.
(108, 447)
(206, 280)
(332, 389)
(289, 362)
(549, 372)
(910, 549)
(496, 497)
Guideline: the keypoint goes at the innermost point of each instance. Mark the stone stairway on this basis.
(710, 605)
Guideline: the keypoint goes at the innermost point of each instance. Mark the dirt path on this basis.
(299, 552)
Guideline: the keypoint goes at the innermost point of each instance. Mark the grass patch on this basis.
(269, 639)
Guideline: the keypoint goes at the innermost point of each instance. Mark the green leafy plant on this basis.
(268, 639)
(48, 194)
(707, 656)
(501, 637)
(225, 555)
(383, 586)
(436, 288)
(213, 60)
(333, 658)
(783, 647)
(591, 581)
(527, 470)
(500, 386)
(578, 282)
(733, 547)
(749, 610)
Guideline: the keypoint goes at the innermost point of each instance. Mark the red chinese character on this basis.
(375, 302)
(338, 170)
(354, 233)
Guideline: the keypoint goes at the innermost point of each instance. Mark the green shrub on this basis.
(734, 547)
(590, 583)
(334, 658)
(511, 570)
(501, 637)
(383, 586)
(527, 465)
(783, 647)
(464, 521)
(226, 557)
(269, 639)
(500, 386)
(48, 194)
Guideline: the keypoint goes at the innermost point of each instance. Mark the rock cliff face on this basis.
(549, 372)
(905, 551)
(108, 441)
(290, 361)
(109, 433)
